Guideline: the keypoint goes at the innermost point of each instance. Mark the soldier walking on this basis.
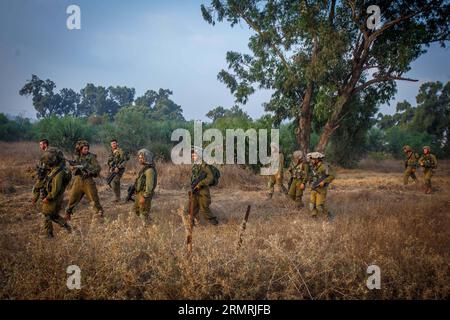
(202, 177)
(322, 176)
(84, 168)
(411, 164)
(116, 163)
(299, 171)
(145, 185)
(429, 163)
(54, 185)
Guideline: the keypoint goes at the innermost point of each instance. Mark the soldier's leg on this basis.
(47, 226)
(76, 193)
(413, 175)
(90, 189)
(312, 203)
(270, 185)
(52, 210)
(144, 210)
(427, 177)
(204, 201)
(115, 183)
(292, 190)
(298, 194)
(320, 201)
(279, 187)
(406, 175)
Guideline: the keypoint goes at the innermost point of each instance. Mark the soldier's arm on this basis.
(434, 160)
(122, 160)
(209, 177)
(331, 175)
(149, 182)
(307, 173)
(57, 182)
(93, 166)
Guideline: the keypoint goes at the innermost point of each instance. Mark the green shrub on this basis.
(64, 132)
(14, 130)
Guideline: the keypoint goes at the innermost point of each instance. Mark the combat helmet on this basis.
(427, 147)
(147, 154)
(80, 144)
(52, 157)
(298, 154)
(315, 155)
(407, 148)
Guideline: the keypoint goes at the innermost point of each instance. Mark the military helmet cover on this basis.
(298, 154)
(407, 148)
(427, 147)
(147, 154)
(80, 144)
(315, 155)
(52, 156)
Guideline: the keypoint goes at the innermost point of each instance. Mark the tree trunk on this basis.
(304, 121)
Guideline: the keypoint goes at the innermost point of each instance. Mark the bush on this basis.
(64, 132)
(397, 137)
(14, 130)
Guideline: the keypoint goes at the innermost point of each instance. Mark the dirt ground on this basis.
(285, 254)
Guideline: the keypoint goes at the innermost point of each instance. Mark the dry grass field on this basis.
(285, 253)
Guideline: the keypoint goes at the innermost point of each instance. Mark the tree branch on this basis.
(382, 79)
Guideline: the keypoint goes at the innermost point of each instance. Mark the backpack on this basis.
(216, 174)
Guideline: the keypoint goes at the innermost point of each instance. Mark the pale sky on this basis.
(140, 44)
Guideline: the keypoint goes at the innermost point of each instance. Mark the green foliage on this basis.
(397, 137)
(14, 130)
(64, 132)
(135, 129)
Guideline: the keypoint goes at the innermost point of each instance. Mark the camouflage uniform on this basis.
(202, 198)
(40, 180)
(429, 164)
(318, 196)
(411, 164)
(276, 181)
(84, 184)
(117, 159)
(145, 185)
(54, 186)
(299, 175)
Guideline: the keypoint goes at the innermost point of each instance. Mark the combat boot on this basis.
(428, 190)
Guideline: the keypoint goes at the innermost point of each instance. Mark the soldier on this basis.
(201, 178)
(411, 164)
(145, 185)
(116, 163)
(275, 183)
(322, 176)
(429, 163)
(41, 172)
(299, 171)
(54, 185)
(84, 169)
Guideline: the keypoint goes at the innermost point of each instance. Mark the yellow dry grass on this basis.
(285, 254)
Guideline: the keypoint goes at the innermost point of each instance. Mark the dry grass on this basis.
(285, 255)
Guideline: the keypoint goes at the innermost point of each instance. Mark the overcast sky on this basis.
(145, 44)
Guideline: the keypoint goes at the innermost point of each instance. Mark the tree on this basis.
(96, 100)
(311, 53)
(123, 96)
(160, 105)
(43, 96)
(233, 112)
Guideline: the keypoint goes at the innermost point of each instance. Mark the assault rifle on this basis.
(80, 168)
(113, 174)
(195, 183)
(316, 183)
(41, 172)
(130, 193)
